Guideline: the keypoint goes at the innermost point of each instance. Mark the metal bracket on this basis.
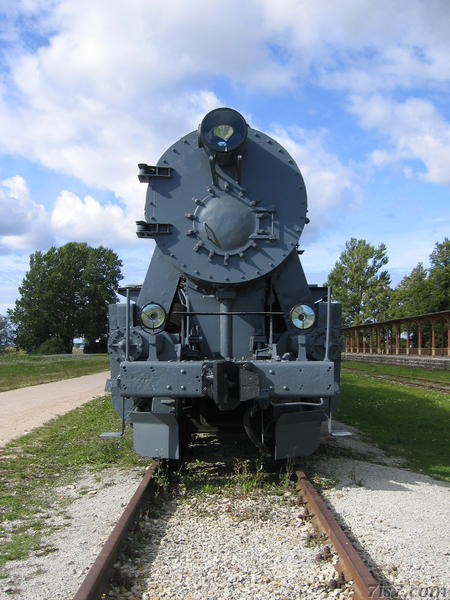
(212, 166)
(149, 230)
(148, 172)
(337, 433)
(264, 232)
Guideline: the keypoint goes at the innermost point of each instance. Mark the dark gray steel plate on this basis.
(231, 233)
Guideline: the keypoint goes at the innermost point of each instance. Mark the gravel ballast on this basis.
(399, 518)
(228, 547)
(97, 500)
(254, 546)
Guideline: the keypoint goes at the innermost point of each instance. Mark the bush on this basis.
(96, 346)
(53, 345)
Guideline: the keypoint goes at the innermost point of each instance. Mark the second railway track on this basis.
(228, 529)
(429, 384)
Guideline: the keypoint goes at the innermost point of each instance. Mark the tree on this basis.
(100, 273)
(6, 333)
(359, 285)
(439, 276)
(412, 295)
(31, 315)
(65, 294)
(424, 290)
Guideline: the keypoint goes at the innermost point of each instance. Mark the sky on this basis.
(356, 90)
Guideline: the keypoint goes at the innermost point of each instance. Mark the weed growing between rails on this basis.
(232, 467)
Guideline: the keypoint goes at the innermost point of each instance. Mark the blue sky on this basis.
(358, 92)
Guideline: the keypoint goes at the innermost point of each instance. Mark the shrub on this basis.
(53, 345)
(96, 346)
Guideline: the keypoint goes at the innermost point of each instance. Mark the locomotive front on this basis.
(225, 332)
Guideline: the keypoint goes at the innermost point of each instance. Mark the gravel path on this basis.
(399, 518)
(24, 409)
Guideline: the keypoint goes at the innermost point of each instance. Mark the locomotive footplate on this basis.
(228, 382)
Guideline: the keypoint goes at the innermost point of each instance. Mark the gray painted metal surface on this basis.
(155, 435)
(227, 274)
(228, 233)
(297, 433)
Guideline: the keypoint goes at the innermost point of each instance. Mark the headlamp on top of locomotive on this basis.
(225, 333)
(222, 134)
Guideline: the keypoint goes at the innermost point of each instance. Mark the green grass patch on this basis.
(19, 370)
(236, 476)
(405, 421)
(33, 466)
(392, 370)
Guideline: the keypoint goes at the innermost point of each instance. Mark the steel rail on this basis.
(350, 564)
(96, 581)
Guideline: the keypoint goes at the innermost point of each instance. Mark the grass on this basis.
(392, 370)
(19, 370)
(34, 466)
(405, 421)
(237, 477)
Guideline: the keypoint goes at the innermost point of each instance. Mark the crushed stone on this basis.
(228, 547)
(399, 518)
(97, 501)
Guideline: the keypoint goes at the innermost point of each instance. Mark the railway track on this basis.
(422, 382)
(352, 575)
(96, 581)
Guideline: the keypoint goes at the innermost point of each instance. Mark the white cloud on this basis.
(364, 46)
(24, 223)
(329, 183)
(115, 83)
(13, 269)
(415, 129)
(114, 87)
(89, 221)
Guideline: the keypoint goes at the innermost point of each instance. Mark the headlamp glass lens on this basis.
(223, 132)
(153, 316)
(303, 316)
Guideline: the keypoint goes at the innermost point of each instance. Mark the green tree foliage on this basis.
(6, 332)
(65, 294)
(412, 295)
(359, 285)
(425, 290)
(439, 275)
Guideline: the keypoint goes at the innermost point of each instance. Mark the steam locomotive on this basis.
(224, 333)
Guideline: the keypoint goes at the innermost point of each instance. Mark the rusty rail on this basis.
(96, 581)
(350, 564)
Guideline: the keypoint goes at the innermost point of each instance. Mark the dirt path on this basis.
(29, 407)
